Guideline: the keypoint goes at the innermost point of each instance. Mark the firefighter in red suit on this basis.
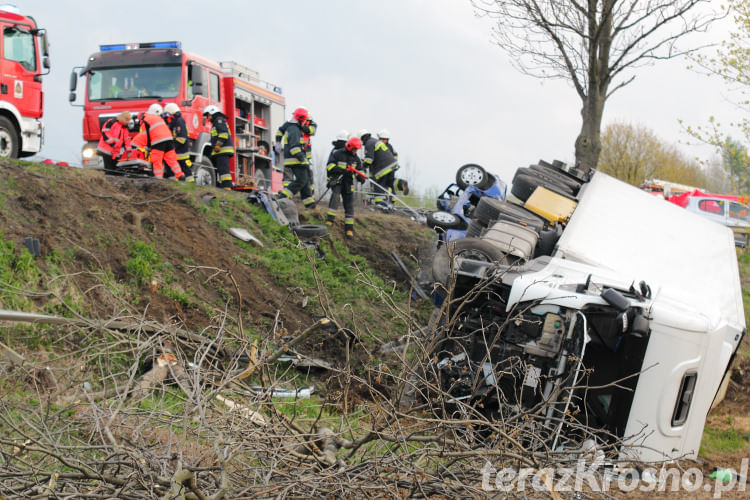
(160, 143)
(114, 141)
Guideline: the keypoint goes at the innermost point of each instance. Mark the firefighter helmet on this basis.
(363, 132)
(343, 135)
(171, 108)
(211, 110)
(155, 109)
(353, 144)
(384, 134)
(300, 114)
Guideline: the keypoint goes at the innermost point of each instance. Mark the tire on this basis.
(559, 177)
(205, 173)
(475, 229)
(549, 179)
(465, 247)
(472, 174)
(445, 220)
(524, 185)
(9, 141)
(490, 209)
(309, 231)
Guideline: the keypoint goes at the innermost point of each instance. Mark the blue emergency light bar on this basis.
(133, 46)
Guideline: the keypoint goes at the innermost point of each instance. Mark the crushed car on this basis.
(457, 202)
(620, 327)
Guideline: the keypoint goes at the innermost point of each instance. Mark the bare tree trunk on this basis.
(588, 143)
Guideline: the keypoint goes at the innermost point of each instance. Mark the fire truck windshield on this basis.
(134, 82)
(18, 45)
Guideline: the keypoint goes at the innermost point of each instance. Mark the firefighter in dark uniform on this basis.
(173, 117)
(368, 145)
(308, 130)
(341, 181)
(338, 143)
(290, 133)
(384, 166)
(221, 143)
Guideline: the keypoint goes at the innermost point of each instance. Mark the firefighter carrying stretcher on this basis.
(115, 140)
(295, 157)
(156, 137)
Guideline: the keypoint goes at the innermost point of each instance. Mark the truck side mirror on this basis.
(197, 88)
(72, 97)
(45, 62)
(45, 46)
(73, 81)
(198, 79)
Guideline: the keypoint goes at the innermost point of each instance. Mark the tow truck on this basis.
(23, 62)
(132, 76)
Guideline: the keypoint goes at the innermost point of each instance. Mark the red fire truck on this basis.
(23, 61)
(131, 77)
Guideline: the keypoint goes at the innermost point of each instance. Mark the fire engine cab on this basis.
(24, 59)
(131, 77)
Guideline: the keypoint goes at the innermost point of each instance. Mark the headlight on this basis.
(88, 153)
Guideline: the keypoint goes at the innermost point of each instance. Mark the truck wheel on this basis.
(475, 229)
(445, 220)
(524, 185)
(304, 231)
(472, 174)
(205, 174)
(473, 248)
(8, 139)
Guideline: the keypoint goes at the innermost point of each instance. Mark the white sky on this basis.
(424, 69)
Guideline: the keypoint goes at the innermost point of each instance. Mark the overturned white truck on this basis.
(622, 330)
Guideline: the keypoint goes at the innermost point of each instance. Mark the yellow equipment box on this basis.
(550, 205)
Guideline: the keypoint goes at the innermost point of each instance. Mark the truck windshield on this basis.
(134, 82)
(19, 46)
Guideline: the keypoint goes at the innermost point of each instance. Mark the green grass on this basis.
(723, 440)
(144, 262)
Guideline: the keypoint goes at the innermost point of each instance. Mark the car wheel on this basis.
(309, 231)
(204, 172)
(472, 174)
(445, 220)
(474, 248)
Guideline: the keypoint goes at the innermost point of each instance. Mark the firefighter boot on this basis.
(349, 228)
(330, 217)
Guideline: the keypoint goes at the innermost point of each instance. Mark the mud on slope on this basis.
(91, 217)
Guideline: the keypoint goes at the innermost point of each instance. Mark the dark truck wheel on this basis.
(475, 229)
(445, 220)
(473, 248)
(472, 174)
(9, 144)
(490, 209)
(524, 185)
(309, 231)
(204, 172)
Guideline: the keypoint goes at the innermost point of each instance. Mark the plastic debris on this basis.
(244, 235)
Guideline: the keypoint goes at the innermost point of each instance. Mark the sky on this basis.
(426, 70)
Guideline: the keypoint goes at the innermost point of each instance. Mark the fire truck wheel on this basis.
(8, 139)
(205, 174)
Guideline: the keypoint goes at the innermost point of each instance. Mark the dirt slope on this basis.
(91, 218)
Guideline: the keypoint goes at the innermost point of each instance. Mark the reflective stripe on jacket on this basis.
(294, 145)
(115, 138)
(220, 136)
(180, 135)
(156, 129)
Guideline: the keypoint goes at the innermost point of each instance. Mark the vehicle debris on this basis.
(600, 324)
(244, 235)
